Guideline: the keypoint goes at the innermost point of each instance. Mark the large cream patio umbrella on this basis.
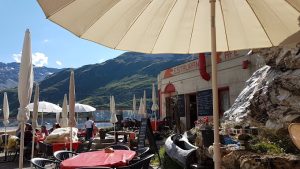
(133, 105)
(72, 100)
(45, 107)
(185, 26)
(64, 113)
(154, 106)
(35, 116)
(83, 108)
(141, 110)
(145, 104)
(113, 115)
(24, 90)
(5, 111)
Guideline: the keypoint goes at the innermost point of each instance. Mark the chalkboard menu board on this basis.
(205, 103)
(181, 105)
(146, 132)
(142, 133)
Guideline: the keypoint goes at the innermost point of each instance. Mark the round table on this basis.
(99, 158)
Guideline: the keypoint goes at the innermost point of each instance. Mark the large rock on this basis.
(249, 160)
(272, 94)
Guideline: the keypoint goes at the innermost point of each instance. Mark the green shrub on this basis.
(281, 138)
(266, 147)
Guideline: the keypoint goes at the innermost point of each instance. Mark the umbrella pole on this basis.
(155, 120)
(115, 133)
(42, 117)
(71, 140)
(32, 147)
(21, 146)
(5, 144)
(217, 154)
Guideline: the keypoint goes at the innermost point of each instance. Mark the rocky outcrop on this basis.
(248, 160)
(272, 94)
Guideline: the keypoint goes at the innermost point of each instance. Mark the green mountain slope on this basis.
(130, 73)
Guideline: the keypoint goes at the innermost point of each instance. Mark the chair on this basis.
(45, 149)
(12, 152)
(141, 164)
(94, 168)
(119, 147)
(85, 147)
(63, 155)
(142, 152)
(42, 163)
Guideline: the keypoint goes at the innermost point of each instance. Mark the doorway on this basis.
(169, 111)
(193, 110)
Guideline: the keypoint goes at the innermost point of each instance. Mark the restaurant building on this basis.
(186, 88)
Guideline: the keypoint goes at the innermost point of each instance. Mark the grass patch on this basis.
(166, 161)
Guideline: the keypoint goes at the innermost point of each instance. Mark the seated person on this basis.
(27, 135)
(44, 130)
(55, 126)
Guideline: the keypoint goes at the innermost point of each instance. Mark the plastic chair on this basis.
(143, 163)
(63, 155)
(119, 147)
(42, 163)
(85, 147)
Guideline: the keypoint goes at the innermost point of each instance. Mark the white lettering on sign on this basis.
(185, 67)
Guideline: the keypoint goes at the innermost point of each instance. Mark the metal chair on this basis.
(85, 147)
(142, 152)
(45, 149)
(119, 147)
(94, 168)
(42, 163)
(63, 155)
(141, 164)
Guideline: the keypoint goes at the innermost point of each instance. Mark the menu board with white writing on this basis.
(205, 103)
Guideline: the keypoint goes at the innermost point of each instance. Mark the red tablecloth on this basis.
(63, 146)
(99, 158)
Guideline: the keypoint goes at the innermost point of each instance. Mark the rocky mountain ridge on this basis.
(9, 74)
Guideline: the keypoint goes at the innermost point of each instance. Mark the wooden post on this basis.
(217, 153)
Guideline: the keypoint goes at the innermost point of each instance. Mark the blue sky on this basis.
(52, 46)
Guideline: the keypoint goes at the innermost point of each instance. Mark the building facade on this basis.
(185, 90)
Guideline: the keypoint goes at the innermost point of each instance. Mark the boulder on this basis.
(249, 160)
(271, 96)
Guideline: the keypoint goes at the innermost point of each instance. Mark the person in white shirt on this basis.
(88, 128)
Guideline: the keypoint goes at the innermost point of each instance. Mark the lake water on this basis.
(101, 118)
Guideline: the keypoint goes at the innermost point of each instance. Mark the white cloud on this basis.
(38, 59)
(17, 57)
(46, 40)
(58, 62)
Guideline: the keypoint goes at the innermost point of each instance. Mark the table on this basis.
(99, 158)
(125, 133)
(63, 146)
